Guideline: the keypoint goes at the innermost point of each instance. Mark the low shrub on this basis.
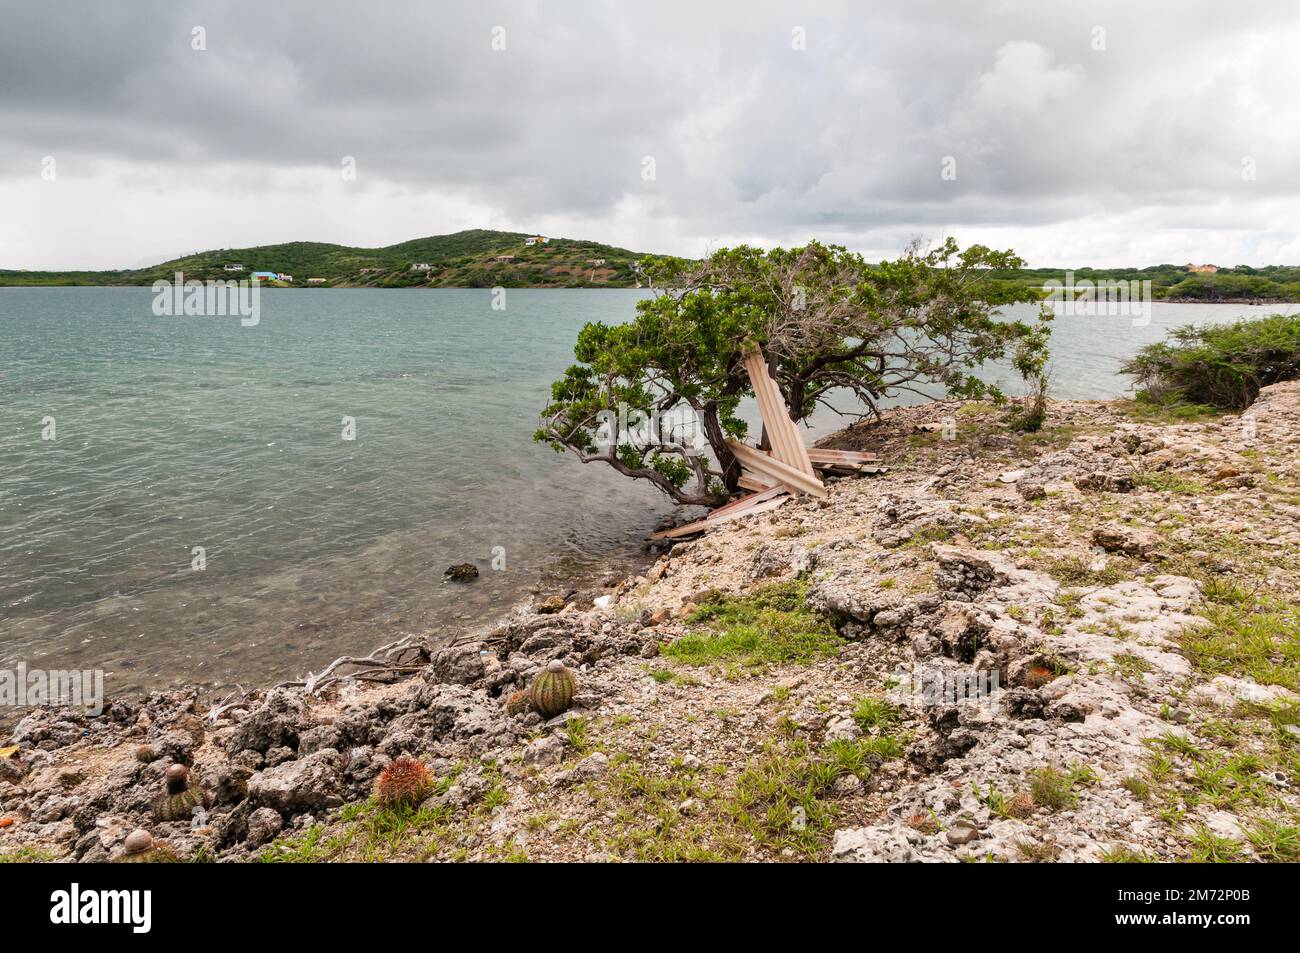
(1222, 365)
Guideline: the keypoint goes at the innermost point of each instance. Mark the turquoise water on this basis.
(175, 433)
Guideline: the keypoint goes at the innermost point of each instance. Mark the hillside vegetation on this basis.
(461, 260)
(1177, 282)
(466, 260)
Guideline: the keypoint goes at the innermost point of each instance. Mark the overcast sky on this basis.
(1102, 133)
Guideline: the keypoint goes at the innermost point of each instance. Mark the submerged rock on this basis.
(461, 572)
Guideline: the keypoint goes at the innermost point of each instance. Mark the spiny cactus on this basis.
(403, 782)
(180, 799)
(141, 849)
(146, 754)
(552, 689)
(517, 703)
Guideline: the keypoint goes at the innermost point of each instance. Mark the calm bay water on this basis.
(173, 433)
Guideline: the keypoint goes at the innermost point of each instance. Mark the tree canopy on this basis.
(826, 320)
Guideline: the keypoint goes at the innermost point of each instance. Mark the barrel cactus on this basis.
(140, 848)
(404, 782)
(552, 689)
(517, 703)
(178, 802)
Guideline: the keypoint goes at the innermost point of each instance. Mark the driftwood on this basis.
(386, 659)
(230, 701)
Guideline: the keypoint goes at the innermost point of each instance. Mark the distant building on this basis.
(285, 277)
(315, 281)
(596, 261)
(422, 266)
(504, 259)
(234, 267)
(1202, 269)
(536, 240)
(265, 276)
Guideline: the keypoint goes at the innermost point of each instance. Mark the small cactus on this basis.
(403, 782)
(552, 689)
(1021, 806)
(146, 754)
(178, 802)
(141, 849)
(517, 703)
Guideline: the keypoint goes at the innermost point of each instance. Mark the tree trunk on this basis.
(718, 442)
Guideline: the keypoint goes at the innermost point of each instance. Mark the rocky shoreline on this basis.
(1129, 583)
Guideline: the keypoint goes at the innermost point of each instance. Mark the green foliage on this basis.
(1175, 282)
(1030, 358)
(1248, 637)
(1073, 571)
(460, 260)
(825, 319)
(771, 625)
(1055, 789)
(1221, 365)
(26, 854)
(872, 713)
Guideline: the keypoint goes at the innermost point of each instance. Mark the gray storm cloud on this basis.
(1079, 132)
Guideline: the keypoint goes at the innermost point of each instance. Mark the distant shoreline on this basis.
(600, 286)
(278, 286)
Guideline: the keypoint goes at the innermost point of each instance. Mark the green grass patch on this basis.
(1170, 481)
(26, 855)
(871, 712)
(768, 626)
(1073, 571)
(1055, 789)
(1258, 638)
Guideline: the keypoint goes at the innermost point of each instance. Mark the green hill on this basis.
(477, 258)
(480, 258)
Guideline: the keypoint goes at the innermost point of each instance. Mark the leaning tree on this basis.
(656, 398)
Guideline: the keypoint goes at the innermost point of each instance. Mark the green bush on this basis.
(1221, 365)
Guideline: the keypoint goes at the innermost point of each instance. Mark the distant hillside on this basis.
(478, 258)
(1208, 283)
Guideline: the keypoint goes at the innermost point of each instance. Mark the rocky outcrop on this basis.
(1011, 612)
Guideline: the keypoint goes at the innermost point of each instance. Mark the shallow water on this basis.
(176, 433)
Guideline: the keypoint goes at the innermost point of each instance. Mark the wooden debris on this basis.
(745, 502)
(777, 496)
(785, 469)
(770, 466)
(822, 455)
(787, 445)
(750, 481)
